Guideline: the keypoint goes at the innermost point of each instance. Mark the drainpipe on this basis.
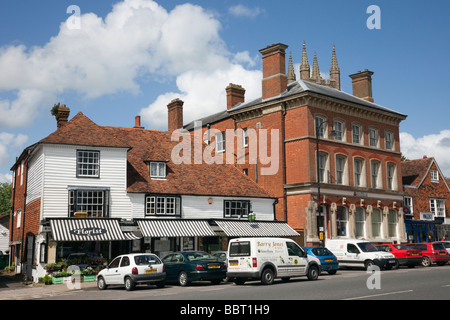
(283, 124)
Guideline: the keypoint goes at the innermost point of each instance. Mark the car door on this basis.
(111, 274)
(297, 260)
(124, 269)
(352, 255)
(174, 264)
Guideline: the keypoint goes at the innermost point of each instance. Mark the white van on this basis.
(359, 253)
(268, 258)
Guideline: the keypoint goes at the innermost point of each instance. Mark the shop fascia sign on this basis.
(92, 231)
(427, 216)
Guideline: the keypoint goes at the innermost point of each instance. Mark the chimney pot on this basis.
(175, 114)
(362, 84)
(235, 95)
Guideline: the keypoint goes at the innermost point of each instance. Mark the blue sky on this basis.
(132, 57)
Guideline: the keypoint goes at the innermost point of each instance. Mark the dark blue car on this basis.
(187, 266)
(326, 257)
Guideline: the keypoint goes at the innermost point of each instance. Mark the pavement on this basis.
(12, 287)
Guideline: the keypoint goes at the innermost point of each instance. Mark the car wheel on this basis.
(368, 264)
(129, 284)
(426, 262)
(267, 276)
(101, 284)
(183, 279)
(313, 273)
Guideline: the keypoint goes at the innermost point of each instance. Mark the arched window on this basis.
(360, 222)
(342, 221)
(376, 223)
(392, 223)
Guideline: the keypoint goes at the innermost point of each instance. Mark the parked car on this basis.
(405, 256)
(132, 269)
(432, 252)
(446, 245)
(327, 258)
(221, 255)
(187, 266)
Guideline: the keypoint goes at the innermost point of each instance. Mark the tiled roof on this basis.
(193, 179)
(81, 130)
(152, 145)
(413, 171)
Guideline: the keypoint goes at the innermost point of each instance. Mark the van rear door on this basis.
(239, 258)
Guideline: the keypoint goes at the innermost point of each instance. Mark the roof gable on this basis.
(414, 172)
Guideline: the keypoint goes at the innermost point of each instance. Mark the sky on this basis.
(114, 60)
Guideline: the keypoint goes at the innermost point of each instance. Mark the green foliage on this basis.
(5, 198)
(54, 110)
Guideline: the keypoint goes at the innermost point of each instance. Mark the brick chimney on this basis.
(274, 70)
(235, 95)
(137, 122)
(362, 84)
(62, 116)
(175, 114)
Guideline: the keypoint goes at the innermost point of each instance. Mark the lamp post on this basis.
(319, 208)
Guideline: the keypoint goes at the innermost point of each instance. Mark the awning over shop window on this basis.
(175, 228)
(88, 229)
(236, 228)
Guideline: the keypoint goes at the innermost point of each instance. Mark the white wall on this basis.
(60, 172)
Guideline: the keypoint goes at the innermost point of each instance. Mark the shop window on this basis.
(93, 202)
(376, 223)
(360, 222)
(392, 223)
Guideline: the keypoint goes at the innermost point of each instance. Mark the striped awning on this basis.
(237, 228)
(88, 229)
(175, 228)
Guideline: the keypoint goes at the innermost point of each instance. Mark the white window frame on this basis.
(437, 207)
(389, 140)
(236, 208)
(244, 137)
(392, 223)
(374, 137)
(220, 141)
(342, 221)
(434, 175)
(375, 179)
(409, 203)
(323, 167)
(377, 226)
(362, 176)
(318, 122)
(360, 224)
(159, 205)
(88, 164)
(157, 170)
(357, 134)
(391, 170)
(339, 129)
(341, 169)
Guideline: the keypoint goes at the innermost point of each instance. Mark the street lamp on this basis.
(319, 127)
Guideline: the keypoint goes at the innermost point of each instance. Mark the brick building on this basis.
(359, 156)
(427, 199)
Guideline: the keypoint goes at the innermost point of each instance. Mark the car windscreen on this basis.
(239, 249)
(367, 247)
(400, 246)
(146, 260)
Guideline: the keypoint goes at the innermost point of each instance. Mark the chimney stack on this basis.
(175, 114)
(137, 122)
(62, 116)
(274, 70)
(235, 95)
(362, 84)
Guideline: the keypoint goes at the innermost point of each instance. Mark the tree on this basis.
(5, 198)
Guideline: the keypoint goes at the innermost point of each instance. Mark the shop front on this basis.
(422, 231)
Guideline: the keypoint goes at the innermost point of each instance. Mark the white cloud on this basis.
(246, 12)
(433, 145)
(10, 144)
(5, 178)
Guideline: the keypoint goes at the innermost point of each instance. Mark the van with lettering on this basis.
(265, 259)
(354, 253)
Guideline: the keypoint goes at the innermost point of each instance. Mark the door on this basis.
(297, 260)
(112, 275)
(352, 257)
(174, 264)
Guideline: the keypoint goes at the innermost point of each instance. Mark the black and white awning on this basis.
(88, 229)
(242, 228)
(175, 228)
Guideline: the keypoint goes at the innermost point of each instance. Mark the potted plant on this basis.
(88, 274)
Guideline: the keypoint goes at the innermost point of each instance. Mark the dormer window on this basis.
(158, 170)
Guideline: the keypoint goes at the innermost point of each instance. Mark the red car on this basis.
(432, 252)
(405, 256)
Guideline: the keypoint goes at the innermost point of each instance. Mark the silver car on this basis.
(132, 269)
